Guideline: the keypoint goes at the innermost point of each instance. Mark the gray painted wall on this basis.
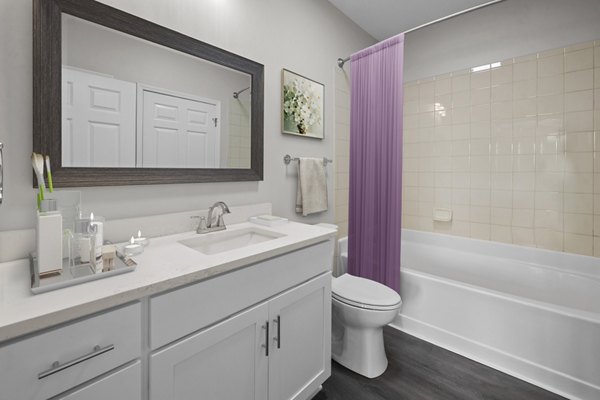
(304, 36)
(508, 29)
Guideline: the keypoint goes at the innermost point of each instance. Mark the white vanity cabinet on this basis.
(53, 362)
(261, 332)
(277, 350)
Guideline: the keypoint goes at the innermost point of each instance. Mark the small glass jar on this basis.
(84, 246)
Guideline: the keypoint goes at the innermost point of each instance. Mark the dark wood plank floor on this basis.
(419, 370)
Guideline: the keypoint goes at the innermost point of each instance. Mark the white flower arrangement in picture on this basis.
(302, 106)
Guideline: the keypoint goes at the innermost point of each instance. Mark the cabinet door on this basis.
(300, 359)
(226, 361)
(125, 384)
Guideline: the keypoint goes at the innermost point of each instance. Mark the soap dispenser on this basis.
(49, 234)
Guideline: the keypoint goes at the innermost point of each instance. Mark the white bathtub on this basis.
(534, 314)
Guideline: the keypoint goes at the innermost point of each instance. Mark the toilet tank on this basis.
(342, 259)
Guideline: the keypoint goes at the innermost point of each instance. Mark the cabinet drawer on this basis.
(79, 351)
(183, 311)
(125, 384)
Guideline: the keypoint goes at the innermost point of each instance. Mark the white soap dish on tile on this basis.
(442, 214)
(268, 220)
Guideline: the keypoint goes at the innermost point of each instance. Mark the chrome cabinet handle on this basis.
(278, 338)
(1, 173)
(57, 367)
(266, 345)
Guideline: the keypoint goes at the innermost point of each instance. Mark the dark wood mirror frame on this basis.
(47, 96)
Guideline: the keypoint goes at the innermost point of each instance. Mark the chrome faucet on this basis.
(205, 226)
(220, 222)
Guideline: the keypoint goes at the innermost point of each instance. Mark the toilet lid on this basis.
(363, 292)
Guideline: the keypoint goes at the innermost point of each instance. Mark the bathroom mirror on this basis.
(119, 100)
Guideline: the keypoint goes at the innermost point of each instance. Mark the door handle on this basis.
(278, 338)
(57, 367)
(266, 345)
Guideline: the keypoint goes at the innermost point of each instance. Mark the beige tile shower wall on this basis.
(239, 133)
(342, 148)
(513, 151)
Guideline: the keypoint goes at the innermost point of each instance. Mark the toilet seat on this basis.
(364, 293)
(365, 306)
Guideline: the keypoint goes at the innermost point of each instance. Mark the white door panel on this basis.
(98, 120)
(197, 149)
(224, 362)
(104, 99)
(164, 112)
(197, 117)
(105, 142)
(178, 131)
(166, 148)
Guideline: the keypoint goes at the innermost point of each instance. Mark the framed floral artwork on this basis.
(302, 106)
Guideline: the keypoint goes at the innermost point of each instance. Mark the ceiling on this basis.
(385, 18)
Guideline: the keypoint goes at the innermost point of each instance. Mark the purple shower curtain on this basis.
(376, 162)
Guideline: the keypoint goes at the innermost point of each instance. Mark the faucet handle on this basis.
(201, 227)
(194, 221)
(220, 221)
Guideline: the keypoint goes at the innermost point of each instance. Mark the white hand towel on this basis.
(311, 196)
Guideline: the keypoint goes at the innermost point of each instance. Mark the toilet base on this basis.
(359, 350)
(357, 333)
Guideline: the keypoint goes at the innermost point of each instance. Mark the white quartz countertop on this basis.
(165, 264)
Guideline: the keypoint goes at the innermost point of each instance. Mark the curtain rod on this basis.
(342, 61)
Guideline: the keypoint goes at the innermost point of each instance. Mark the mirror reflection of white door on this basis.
(98, 120)
(178, 131)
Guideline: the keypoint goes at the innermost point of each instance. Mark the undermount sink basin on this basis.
(218, 242)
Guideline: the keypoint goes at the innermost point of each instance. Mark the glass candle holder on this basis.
(83, 244)
(139, 239)
(132, 248)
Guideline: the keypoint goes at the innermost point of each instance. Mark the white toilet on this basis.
(361, 308)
